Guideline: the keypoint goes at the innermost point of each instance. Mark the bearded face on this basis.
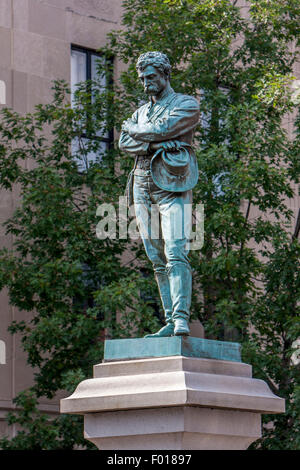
(154, 81)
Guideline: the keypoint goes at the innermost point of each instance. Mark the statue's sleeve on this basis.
(182, 118)
(130, 144)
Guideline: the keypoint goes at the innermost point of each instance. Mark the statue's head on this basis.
(154, 71)
(157, 59)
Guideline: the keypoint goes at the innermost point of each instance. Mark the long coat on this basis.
(173, 117)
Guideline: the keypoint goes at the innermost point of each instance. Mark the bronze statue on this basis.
(160, 134)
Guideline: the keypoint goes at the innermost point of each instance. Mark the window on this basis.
(2, 352)
(2, 92)
(84, 66)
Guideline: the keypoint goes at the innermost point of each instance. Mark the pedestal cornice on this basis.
(173, 381)
(179, 401)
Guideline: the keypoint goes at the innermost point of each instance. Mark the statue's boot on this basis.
(180, 278)
(165, 295)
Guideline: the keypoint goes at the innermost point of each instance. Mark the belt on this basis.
(143, 162)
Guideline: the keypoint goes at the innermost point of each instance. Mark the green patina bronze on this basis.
(159, 134)
(141, 348)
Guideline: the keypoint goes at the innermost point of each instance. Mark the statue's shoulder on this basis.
(143, 107)
(186, 100)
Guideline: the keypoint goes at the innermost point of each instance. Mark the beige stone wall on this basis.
(35, 45)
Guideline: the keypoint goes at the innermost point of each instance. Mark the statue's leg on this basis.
(180, 278)
(176, 214)
(162, 280)
(150, 231)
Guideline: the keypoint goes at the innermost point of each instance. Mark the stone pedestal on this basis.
(181, 393)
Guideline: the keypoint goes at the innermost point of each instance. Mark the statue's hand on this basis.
(170, 145)
(127, 126)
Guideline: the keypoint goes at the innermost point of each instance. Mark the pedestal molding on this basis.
(175, 388)
(178, 402)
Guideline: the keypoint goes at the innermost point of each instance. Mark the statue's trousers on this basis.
(164, 220)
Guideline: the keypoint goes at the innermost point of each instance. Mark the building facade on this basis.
(40, 41)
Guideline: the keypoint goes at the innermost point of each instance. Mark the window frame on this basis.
(89, 53)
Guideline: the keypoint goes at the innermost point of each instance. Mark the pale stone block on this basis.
(35, 91)
(5, 241)
(28, 52)
(45, 20)
(5, 203)
(172, 364)
(38, 91)
(86, 31)
(178, 419)
(2, 92)
(172, 428)
(5, 47)
(174, 441)
(6, 77)
(20, 81)
(56, 59)
(5, 13)
(20, 12)
(172, 389)
(98, 8)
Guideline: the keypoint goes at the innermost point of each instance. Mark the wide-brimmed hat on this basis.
(175, 171)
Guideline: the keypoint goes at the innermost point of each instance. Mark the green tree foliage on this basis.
(239, 61)
(68, 283)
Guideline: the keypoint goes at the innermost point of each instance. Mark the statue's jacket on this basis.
(174, 117)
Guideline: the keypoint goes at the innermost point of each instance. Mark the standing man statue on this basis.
(160, 134)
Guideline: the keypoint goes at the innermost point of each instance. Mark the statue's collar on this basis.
(165, 95)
